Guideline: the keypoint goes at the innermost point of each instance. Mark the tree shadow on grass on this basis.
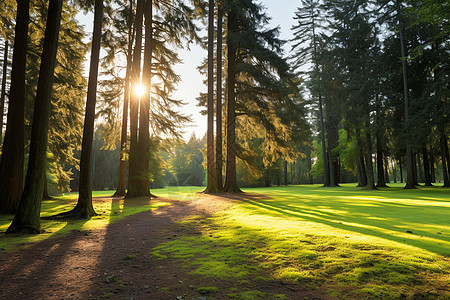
(411, 223)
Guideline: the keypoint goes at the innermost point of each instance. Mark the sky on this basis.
(191, 84)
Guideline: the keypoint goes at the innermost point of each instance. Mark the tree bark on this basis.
(121, 187)
(219, 104)
(285, 173)
(432, 169)
(410, 181)
(369, 170)
(386, 169)
(401, 169)
(27, 217)
(426, 166)
(142, 182)
(380, 168)
(12, 159)
(326, 172)
(84, 208)
(420, 170)
(3, 93)
(231, 185)
(45, 194)
(362, 177)
(444, 157)
(133, 170)
(211, 184)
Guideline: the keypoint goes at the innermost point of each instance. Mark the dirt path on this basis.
(91, 265)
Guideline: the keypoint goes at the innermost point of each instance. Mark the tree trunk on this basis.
(445, 173)
(3, 93)
(432, 169)
(285, 173)
(27, 217)
(447, 155)
(231, 185)
(401, 170)
(84, 208)
(310, 178)
(426, 166)
(211, 184)
(410, 181)
(414, 168)
(142, 182)
(121, 187)
(386, 169)
(326, 172)
(380, 168)
(394, 171)
(45, 194)
(219, 104)
(361, 168)
(370, 177)
(420, 171)
(12, 159)
(133, 170)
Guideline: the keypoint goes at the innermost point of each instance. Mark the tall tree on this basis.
(27, 215)
(84, 208)
(133, 173)
(121, 187)
(211, 184)
(309, 19)
(144, 113)
(410, 181)
(12, 160)
(219, 102)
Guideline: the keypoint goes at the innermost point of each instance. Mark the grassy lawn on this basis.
(108, 211)
(351, 243)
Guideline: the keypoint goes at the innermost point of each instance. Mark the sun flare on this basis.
(139, 89)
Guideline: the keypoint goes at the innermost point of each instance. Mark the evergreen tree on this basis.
(309, 17)
(12, 159)
(27, 216)
(211, 183)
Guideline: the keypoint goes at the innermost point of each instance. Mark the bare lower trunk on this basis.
(12, 159)
(426, 167)
(133, 170)
(3, 93)
(386, 169)
(27, 217)
(211, 184)
(361, 168)
(445, 173)
(231, 185)
(84, 208)
(401, 169)
(219, 104)
(121, 187)
(432, 169)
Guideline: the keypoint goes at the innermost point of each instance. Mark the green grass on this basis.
(108, 212)
(351, 243)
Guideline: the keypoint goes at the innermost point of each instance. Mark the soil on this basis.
(91, 265)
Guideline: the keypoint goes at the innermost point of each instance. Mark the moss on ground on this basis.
(351, 243)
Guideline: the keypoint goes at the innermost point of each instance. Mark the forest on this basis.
(355, 106)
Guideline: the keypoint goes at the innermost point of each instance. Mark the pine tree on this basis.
(306, 32)
(211, 184)
(12, 160)
(27, 217)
